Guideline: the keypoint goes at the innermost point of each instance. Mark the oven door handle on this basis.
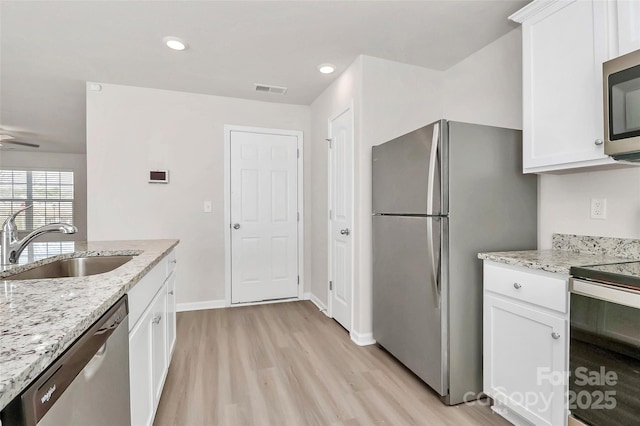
(606, 292)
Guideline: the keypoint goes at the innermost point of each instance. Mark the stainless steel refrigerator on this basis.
(441, 194)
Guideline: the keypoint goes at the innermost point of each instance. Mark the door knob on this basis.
(555, 335)
(236, 226)
(344, 231)
(598, 142)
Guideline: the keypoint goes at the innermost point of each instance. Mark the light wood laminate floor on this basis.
(288, 364)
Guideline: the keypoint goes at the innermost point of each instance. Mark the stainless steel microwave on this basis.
(621, 78)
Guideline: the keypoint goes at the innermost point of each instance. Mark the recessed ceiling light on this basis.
(326, 68)
(175, 43)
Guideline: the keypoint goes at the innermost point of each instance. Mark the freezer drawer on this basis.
(407, 316)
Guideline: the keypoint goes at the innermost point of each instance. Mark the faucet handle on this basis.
(11, 219)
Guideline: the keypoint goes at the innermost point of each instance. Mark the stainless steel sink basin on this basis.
(74, 267)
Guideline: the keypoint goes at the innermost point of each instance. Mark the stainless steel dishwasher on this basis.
(87, 385)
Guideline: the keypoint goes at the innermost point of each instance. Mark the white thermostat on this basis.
(159, 176)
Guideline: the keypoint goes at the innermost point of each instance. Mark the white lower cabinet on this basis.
(141, 386)
(525, 345)
(151, 336)
(171, 314)
(159, 346)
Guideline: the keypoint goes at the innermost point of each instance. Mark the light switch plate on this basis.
(208, 207)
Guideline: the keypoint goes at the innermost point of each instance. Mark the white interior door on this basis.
(264, 216)
(341, 217)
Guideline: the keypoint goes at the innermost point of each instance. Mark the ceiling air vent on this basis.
(270, 89)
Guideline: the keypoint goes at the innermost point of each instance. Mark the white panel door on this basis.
(264, 222)
(341, 217)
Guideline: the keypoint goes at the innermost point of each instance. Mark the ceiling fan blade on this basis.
(29, 144)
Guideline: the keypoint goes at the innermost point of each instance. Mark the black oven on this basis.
(604, 347)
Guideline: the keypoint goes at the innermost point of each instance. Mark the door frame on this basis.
(347, 109)
(227, 205)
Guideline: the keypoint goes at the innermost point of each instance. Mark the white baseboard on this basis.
(217, 304)
(266, 302)
(509, 415)
(321, 306)
(198, 306)
(364, 339)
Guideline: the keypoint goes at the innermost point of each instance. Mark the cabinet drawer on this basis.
(143, 291)
(541, 289)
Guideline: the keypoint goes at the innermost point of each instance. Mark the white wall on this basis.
(564, 204)
(183, 132)
(396, 98)
(77, 163)
(486, 87)
(389, 99)
(343, 91)
(133, 130)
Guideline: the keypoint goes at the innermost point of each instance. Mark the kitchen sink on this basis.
(74, 267)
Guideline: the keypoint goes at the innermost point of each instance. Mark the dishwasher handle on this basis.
(45, 391)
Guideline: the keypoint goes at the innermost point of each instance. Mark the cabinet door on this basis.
(140, 377)
(158, 342)
(563, 50)
(524, 360)
(171, 315)
(628, 26)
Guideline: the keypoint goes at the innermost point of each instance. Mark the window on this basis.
(42, 250)
(50, 193)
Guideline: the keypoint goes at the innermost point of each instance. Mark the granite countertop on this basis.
(553, 260)
(569, 250)
(39, 319)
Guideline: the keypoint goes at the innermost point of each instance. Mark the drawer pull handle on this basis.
(156, 319)
(555, 335)
(517, 286)
(174, 261)
(171, 292)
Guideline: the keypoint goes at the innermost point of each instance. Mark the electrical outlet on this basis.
(598, 208)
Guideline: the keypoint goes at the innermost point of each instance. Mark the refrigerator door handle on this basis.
(432, 259)
(432, 167)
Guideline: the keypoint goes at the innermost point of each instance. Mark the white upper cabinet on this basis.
(565, 43)
(628, 20)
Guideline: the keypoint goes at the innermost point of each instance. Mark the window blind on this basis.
(50, 193)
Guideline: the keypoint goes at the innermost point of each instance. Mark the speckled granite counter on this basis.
(570, 250)
(559, 261)
(39, 319)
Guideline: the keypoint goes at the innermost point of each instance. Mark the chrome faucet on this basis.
(12, 247)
